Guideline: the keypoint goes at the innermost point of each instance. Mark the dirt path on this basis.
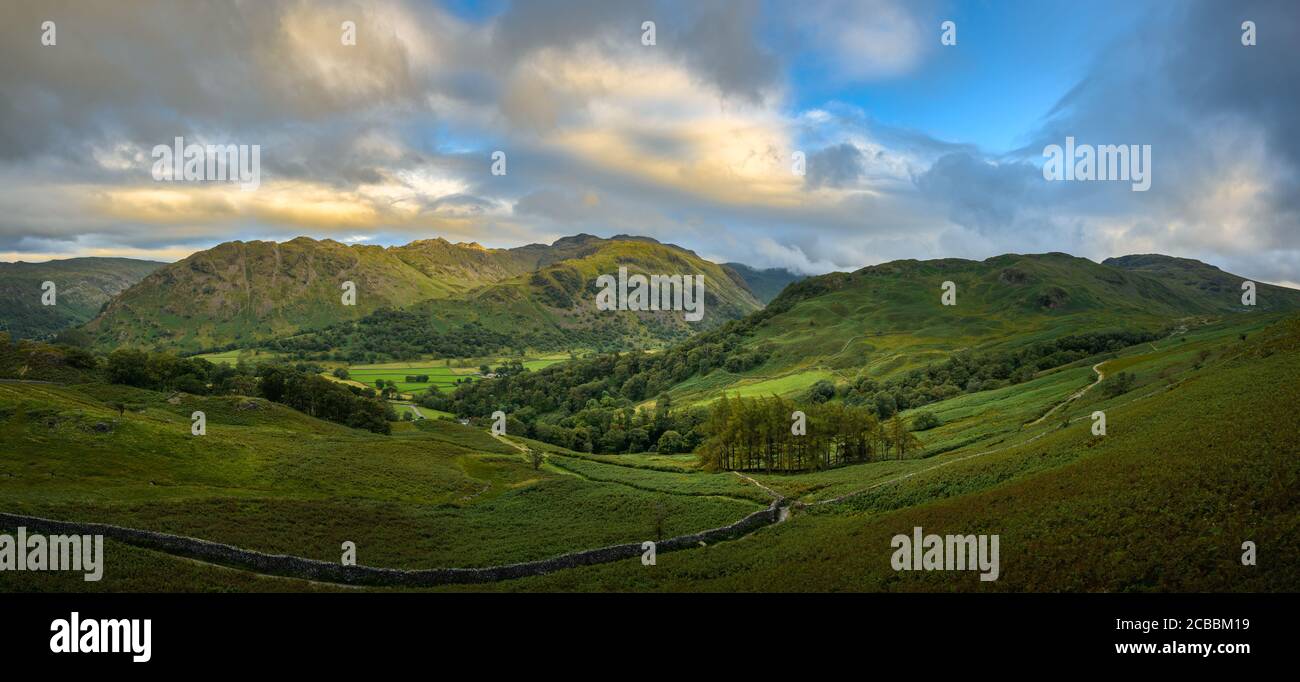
(1074, 396)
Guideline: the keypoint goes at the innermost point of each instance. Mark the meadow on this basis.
(1198, 457)
(442, 373)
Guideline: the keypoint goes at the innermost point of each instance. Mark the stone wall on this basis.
(311, 569)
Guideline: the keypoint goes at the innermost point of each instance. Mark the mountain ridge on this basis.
(247, 292)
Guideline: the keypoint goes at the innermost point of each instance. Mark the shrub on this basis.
(925, 421)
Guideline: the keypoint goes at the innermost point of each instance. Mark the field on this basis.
(442, 374)
(1194, 463)
(231, 357)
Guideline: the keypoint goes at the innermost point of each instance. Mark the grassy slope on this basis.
(272, 479)
(561, 296)
(888, 319)
(248, 291)
(1196, 461)
(83, 286)
(241, 291)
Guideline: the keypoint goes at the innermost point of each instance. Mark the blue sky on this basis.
(913, 149)
(1016, 60)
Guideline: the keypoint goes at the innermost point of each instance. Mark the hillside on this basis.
(1161, 503)
(765, 283)
(240, 293)
(1154, 505)
(887, 319)
(83, 286)
(552, 308)
(881, 338)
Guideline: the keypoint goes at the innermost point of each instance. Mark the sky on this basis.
(912, 148)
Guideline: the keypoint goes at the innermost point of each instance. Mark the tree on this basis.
(670, 442)
(637, 440)
(821, 391)
(902, 439)
(1119, 384)
(536, 456)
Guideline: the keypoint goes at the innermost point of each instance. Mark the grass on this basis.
(1199, 456)
(442, 374)
(1162, 502)
(271, 479)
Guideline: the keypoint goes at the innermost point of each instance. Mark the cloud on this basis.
(689, 140)
(836, 166)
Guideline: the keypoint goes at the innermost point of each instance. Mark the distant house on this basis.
(490, 375)
(463, 422)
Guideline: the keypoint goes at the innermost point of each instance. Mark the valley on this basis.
(1006, 451)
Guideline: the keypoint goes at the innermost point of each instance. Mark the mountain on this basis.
(241, 293)
(889, 318)
(82, 287)
(562, 296)
(1202, 278)
(1014, 316)
(766, 283)
(552, 307)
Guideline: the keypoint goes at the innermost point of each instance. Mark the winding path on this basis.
(1074, 396)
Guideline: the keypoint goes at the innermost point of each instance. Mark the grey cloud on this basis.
(836, 166)
(980, 194)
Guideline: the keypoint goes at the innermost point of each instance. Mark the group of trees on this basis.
(400, 335)
(324, 399)
(760, 434)
(590, 422)
(387, 334)
(300, 387)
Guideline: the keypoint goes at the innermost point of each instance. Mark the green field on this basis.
(1199, 456)
(441, 373)
(231, 357)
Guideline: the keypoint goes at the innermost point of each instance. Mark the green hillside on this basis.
(887, 319)
(82, 285)
(551, 308)
(273, 479)
(239, 294)
(878, 339)
(1163, 502)
(1194, 463)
